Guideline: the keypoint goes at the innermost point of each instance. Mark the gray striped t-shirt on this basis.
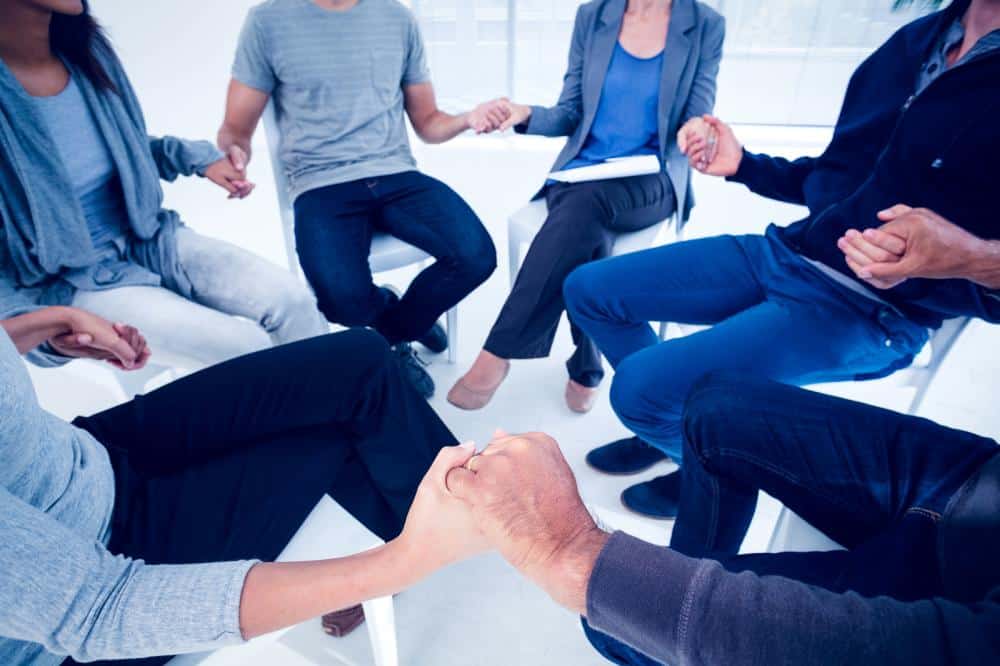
(337, 81)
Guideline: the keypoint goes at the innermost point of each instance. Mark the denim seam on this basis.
(774, 469)
(920, 511)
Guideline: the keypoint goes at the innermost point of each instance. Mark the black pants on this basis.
(333, 234)
(873, 480)
(581, 226)
(227, 463)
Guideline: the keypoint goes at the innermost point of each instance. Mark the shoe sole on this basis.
(638, 471)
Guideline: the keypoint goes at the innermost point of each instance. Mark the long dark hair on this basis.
(82, 41)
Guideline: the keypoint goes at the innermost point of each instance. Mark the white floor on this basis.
(481, 612)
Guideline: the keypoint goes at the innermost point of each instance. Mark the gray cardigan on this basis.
(42, 228)
(690, 66)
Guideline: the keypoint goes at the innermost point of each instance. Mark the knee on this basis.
(347, 307)
(579, 290)
(715, 405)
(297, 303)
(356, 347)
(632, 394)
(476, 258)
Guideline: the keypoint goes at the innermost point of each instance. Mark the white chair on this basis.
(525, 224)
(387, 253)
(791, 532)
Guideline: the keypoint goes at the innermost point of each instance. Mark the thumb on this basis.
(892, 270)
(714, 122)
(238, 157)
(890, 214)
(448, 459)
(461, 483)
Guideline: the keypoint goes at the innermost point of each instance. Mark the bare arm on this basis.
(431, 123)
(75, 333)
(244, 107)
(30, 330)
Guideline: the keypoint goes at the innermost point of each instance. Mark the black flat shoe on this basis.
(413, 369)
(626, 456)
(659, 498)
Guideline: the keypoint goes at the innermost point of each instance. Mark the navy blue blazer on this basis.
(690, 66)
(936, 150)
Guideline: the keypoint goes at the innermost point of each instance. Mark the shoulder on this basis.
(589, 12)
(393, 10)
(708, 18)
(268, 12)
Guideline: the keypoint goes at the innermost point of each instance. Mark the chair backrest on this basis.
(273, 134)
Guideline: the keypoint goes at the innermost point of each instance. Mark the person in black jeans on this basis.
(915, 504)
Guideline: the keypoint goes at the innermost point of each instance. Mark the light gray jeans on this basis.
(241, 304)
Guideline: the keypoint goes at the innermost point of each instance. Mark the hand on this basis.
(230, 173)
(488, 117)
(439, 528)
(518, 114)
(919, 243)
(525, 500)
(699, 142)
(90, 336)
(714, 153)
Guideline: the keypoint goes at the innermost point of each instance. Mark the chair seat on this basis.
(389, 253)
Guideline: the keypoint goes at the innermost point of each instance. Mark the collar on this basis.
(682, 13)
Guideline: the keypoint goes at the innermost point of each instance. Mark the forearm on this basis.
(230, 135)
(984, 264)
(439, 127)
(280, 595)
(30, 330)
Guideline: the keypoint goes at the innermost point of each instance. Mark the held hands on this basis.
(524, 499)
(916, 243)
(230, 173)
(440, 529)
(88, 336)
(489, 116)
(711, 146)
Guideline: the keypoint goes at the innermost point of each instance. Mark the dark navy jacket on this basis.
(938, 150)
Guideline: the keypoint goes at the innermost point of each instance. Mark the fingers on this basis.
(890, 214)
(861, 250)
(449, 458)
(461, 483)
(238, 158)
(887, 241)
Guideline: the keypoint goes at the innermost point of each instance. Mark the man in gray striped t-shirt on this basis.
(341, 74)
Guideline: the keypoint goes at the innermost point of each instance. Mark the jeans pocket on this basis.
(898, 341)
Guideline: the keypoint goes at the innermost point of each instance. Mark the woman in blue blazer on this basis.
(638, 72)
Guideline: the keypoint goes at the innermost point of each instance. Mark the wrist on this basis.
(567, 574)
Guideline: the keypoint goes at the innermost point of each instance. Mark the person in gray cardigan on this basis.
(81, 216)
(638, 73)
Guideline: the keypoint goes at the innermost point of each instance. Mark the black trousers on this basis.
(582, 223)
(227, 463)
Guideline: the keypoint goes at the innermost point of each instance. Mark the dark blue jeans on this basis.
(333, 233)
(875, 481)
(773, 315)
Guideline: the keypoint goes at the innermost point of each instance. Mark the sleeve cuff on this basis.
(743, 172)
(641, 594)
(230, 620)
(264, 85)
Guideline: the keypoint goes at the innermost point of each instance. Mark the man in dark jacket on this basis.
(917, 505)
(914, 149)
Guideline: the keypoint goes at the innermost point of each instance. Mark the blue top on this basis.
(94, 178)
(627, 120)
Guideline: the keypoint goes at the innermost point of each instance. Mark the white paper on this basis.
(623, 167)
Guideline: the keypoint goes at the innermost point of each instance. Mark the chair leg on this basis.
(381, 620)
(663, 331)
(453, 335)
(514, 257)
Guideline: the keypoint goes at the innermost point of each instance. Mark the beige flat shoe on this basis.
(579, 398)
(470, 399)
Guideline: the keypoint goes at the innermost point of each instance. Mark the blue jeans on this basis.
(774, 316)
(333, 233)
(875, 481)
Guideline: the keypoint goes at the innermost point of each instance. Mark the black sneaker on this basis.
(436, 340)
(626, 456)
(659, 498)
(413, 369)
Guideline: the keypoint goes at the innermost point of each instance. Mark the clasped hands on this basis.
(518, 497)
